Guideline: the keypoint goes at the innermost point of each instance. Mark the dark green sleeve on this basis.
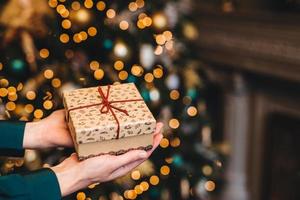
(40, 184)
(11, 138)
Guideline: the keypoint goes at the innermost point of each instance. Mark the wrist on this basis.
(33, 138)
(69, 178)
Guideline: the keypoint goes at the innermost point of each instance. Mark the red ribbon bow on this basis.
(107, 106)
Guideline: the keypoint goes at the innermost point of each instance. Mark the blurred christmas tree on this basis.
(49, 47)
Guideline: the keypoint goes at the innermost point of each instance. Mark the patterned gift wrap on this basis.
(106, 113)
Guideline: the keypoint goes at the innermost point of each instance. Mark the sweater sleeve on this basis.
(11, 138)
(40, 184)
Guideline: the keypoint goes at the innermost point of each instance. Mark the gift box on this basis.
(109, 119)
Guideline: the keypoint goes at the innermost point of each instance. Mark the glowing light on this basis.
(138, 189)
(158, 50)
(164, 143)
(140, 3)
(56, 83)
(132, 6)
(174, 123)
(137, 70)
(140, 24)
(75, 5)
(154, 94)
(77, 38)
(83, 35)
(118, 65)
(66, 24)
(82, 16)
(88, 3)
(28, 108)
(10, 106)
(136, 175)
(30, 95)
(3, 92)
(65, 13)
(123, 75)
(48, 104)
(110, 13)
(158, 72)
(120, 49)
(160, 39)
(52, 3)
(174, 94)
(192, 111)
(147, 21)
(210, 186)
(1, 66)
(101, 5)
(44, 53)
(92, 31)
(98, 74)
(38, 113)
(60, 8)
(64, 38)
(144, 185)
(160, 20)
(168, 35)
(165, 170)
(12, 97)
(175, 142)
(207, 170)
(48, 74)
(94, 65)
(80, 196)
(4, 82)
(154, 180)
(131, 194)
(124, 25)
(149, 77)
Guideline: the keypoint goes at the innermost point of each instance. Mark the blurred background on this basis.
(223, 75)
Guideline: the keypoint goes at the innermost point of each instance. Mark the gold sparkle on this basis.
(101, 5)
(48, 74)
(38, 113)
(118, 65)
(56, 83)
(44, 53)
(123, 75)
(110, 13)
(154, 180)
(174, 123)
(165, 170)
(98, 74)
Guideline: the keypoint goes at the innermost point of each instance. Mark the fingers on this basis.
(156, 140)
(125, 169)
(158, 128)
(128, 157)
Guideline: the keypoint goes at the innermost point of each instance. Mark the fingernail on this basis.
(143, 154)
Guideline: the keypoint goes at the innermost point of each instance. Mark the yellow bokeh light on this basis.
(30, 95)
(154, 180)
(3, 92)
(138, 189)
(88, 3)
(140, 24)
(207, 170)
(20, 87)
(94, 65)
(169, 160)
(48, 104)
(144, 185)
(101, 5)
(174, 123)
(56, 83)
(12, 97)
(149, 77)
(164, 143)
(124, 25)
(80, 196)
(38, 113)
(92, 31)
(160, 20)
(192, 111)
(158, 50)
(29, 108)
(140, 3)
(137, 70)
(168, 35)
(1, 66)
(118, 65)
(98, 74)
(147, 21)
(132, 6)
(131, 194)
(210, 186)
(11, 90)
(123, 75)
(169, 45)
(165, 170)
(174, 94)
(4, 82)
(44, 53)
(175, 142)
(77, 38)
(66, 24)
(110, 13)
(160, 39)
(136, 175)
(83, 35)
(82, 15)
(158, 72)
(52, 3)
(65, 13)
(60, 8)
(75, 5)
(10, 106)
(48, 74)
(64, 38)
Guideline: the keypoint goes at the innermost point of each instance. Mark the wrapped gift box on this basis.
(109, 119)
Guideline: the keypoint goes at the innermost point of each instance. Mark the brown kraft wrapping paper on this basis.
(91, 120)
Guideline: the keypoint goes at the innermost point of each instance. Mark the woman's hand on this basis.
(73, 175)
(51, 131)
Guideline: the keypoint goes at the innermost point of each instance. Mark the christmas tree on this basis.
(51, 46)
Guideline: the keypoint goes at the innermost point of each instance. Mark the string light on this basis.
(3, 92)
(165, 170)
(207, 170)
(118, 65)
(48, 74)
(80, 196)
(140, 3)
(160, 20)
(192, 111)
(64, 38)
(10, 106)
(29, 108)
(158, 72)
(175, 142)
(75, 5)
(66, 24)
(120, 50)
(160, 39)
(82, 16)
(38, 113)
(124, 25)
(131, 194)
(174, 94)
(88, 3)
(30, 95)
(144, 185)
(110, 13)
(164, 143)
(94, 65)
(138, 189)
(132, 6)
(154, 180)
(98, 74)
(92, 31)
(137, 70)
(101, 5)
(44, 53)
(48, 104)
(158, 50)
(56, 83)
(149, 77)
(4, 82)
(83, 35)
(52, 3)
(123, 75)
(210, 186)
(136, 175)
(174, 123)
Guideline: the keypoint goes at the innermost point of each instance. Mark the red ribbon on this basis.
(107, 106)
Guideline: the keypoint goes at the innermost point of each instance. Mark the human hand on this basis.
(74, 175)
(51, 131)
